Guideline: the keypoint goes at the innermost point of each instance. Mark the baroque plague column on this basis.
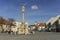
(24, 26)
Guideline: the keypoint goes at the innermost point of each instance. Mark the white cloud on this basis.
(34, 7)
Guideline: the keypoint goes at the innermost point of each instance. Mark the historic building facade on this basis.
(53, 24)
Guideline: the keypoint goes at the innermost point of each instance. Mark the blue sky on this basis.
(35, 10)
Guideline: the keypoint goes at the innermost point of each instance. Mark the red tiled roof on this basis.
(41, 24)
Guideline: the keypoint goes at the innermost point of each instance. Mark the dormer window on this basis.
(59, 17)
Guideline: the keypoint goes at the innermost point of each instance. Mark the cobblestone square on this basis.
(36, 36)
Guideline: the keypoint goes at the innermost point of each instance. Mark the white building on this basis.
(53, 24)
